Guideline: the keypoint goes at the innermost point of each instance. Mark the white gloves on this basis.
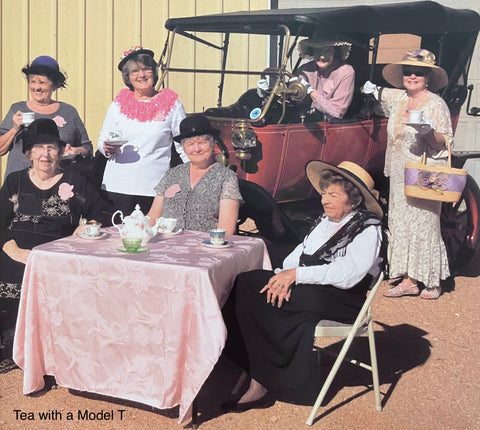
(262, 86)
(308, 87)
(423, 128)
(370, 88)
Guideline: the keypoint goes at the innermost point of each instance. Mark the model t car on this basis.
(269, 143)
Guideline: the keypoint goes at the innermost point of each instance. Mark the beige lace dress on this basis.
(417, 248)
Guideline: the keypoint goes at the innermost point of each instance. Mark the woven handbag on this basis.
(442, 183)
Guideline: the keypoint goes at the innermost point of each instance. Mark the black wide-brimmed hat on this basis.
(133, 52)
(195, 125)
(351, 172)
(40, 131)
(45, 65)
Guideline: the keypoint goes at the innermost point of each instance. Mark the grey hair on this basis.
(144, 59)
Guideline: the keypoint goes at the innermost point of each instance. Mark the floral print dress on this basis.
(32, 216)
(417, 248)
(197, 208)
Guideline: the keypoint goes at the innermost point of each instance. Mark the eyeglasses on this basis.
(51, 149)
(146, 70)
(419, 73)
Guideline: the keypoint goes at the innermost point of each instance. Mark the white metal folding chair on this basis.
(363, 326)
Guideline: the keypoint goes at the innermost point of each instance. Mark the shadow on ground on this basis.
(399, 349)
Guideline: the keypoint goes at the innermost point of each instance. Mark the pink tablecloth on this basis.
(144, 327)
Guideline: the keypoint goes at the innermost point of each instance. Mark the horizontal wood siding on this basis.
(87, 37)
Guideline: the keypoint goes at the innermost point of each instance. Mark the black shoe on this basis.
(262, 403)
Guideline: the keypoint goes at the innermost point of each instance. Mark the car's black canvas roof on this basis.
(425, 17)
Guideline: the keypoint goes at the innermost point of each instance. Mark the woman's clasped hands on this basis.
(279, 287)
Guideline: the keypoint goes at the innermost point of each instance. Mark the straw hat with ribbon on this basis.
(313, 46)
(393, 73)
(353, 173)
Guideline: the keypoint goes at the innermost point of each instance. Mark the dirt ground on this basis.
(428, 365)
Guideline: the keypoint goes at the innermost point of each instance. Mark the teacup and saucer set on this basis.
(217, 239)
(91, 230)
(166, 227)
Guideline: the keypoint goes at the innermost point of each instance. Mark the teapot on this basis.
(135, 225)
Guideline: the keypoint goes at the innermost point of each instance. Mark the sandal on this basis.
(432, 293)
(401, 290)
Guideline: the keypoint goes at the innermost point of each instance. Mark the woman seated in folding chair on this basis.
(271, 331)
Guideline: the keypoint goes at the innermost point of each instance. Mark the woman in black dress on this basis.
(39, 204)
(325, 277)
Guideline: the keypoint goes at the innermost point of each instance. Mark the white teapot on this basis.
(136, 225)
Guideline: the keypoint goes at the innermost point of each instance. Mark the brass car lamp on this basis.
(243, 140)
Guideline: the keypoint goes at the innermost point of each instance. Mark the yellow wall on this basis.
(87, 38)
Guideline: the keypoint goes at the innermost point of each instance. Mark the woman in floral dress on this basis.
(40, 204)
(201, 194)
(418, 254)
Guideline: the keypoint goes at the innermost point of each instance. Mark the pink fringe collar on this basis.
(155, 109)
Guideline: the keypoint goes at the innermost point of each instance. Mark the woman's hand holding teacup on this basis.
(17, 120)
(110, 149)
(279, 287)
(423, 128)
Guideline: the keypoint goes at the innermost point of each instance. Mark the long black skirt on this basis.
(278, 342)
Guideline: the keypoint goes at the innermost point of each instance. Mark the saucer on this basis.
(209, 244)
(115, 142)
(172, 233)
(67, 157)
(83, 235)
(138, 251)
(416, 124)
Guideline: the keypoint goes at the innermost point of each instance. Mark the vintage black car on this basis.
(270, 151)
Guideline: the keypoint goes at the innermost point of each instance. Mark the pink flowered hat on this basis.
(133, 52)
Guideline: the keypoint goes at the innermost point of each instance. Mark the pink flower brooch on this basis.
(65, 191)
(174, 189)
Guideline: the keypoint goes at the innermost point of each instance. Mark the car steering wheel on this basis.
(293, 92)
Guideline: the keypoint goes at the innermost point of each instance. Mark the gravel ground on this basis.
(428, 364)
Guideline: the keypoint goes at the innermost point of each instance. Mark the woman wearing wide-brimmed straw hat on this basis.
(325, 277)
(145, 120)
(418, 254)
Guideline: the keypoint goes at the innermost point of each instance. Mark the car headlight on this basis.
(243, 139)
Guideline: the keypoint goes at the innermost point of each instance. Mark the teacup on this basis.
(28, 117)
(416, 116)
(217, 236)
(166, 225)
(132, 244)
(92, 228)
